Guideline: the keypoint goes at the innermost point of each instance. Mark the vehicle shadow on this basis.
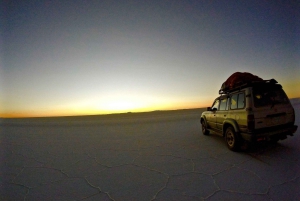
(259, 147)
(270, 149)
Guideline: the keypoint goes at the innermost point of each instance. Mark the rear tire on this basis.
(204, 128)
(232, 140)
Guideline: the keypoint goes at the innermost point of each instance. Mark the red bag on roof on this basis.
(238, 79)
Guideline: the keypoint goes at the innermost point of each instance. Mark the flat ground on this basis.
(150, 156)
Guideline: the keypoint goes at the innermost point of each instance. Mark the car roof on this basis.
(223, 96)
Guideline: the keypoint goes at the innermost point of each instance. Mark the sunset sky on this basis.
(98, 57)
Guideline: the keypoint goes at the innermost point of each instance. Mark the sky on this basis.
(61, 58)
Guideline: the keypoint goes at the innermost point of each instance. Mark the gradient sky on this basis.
(98, 57)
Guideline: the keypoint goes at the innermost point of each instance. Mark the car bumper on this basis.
(267, 134)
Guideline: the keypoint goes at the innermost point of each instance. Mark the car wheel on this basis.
(204, 128)
(232, 140)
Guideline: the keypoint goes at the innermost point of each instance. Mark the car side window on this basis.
(241, 101)
(215, 105)
(237, 101)
(223, 104)
(234, 99)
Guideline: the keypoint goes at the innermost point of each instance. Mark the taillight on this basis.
(250, 122)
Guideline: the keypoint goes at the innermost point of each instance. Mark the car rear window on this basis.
(268, 97)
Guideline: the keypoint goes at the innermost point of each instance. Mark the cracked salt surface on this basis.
(142, 159)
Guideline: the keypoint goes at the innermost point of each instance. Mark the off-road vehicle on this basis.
(250, 111)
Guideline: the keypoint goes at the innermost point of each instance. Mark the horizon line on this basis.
(86, 115)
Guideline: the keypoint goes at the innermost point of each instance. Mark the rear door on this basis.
(238, 109)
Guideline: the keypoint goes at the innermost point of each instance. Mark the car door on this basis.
(211, 118)
(221, 115)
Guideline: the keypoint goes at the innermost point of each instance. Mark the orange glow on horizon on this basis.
(292, 89)
(112, 104)
(115, 107)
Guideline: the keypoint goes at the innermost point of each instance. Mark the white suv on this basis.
(253, 112)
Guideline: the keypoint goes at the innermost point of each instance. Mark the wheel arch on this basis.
(230, 122)
(203, 118)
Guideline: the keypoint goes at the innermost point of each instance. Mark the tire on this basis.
(232, 140)
(204, 128)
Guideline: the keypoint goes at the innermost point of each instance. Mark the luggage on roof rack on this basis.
(239, 80)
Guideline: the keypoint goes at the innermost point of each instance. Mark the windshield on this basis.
(269, 97)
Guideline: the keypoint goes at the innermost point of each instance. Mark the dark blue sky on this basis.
(90, 57)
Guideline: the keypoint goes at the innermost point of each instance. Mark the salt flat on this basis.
(147, 156)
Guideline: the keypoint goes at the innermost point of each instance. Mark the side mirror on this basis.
(208, 108)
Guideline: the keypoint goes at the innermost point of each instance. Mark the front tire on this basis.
(232, 140)
(204, 128)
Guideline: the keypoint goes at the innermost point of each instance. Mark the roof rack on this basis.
(247, 84)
